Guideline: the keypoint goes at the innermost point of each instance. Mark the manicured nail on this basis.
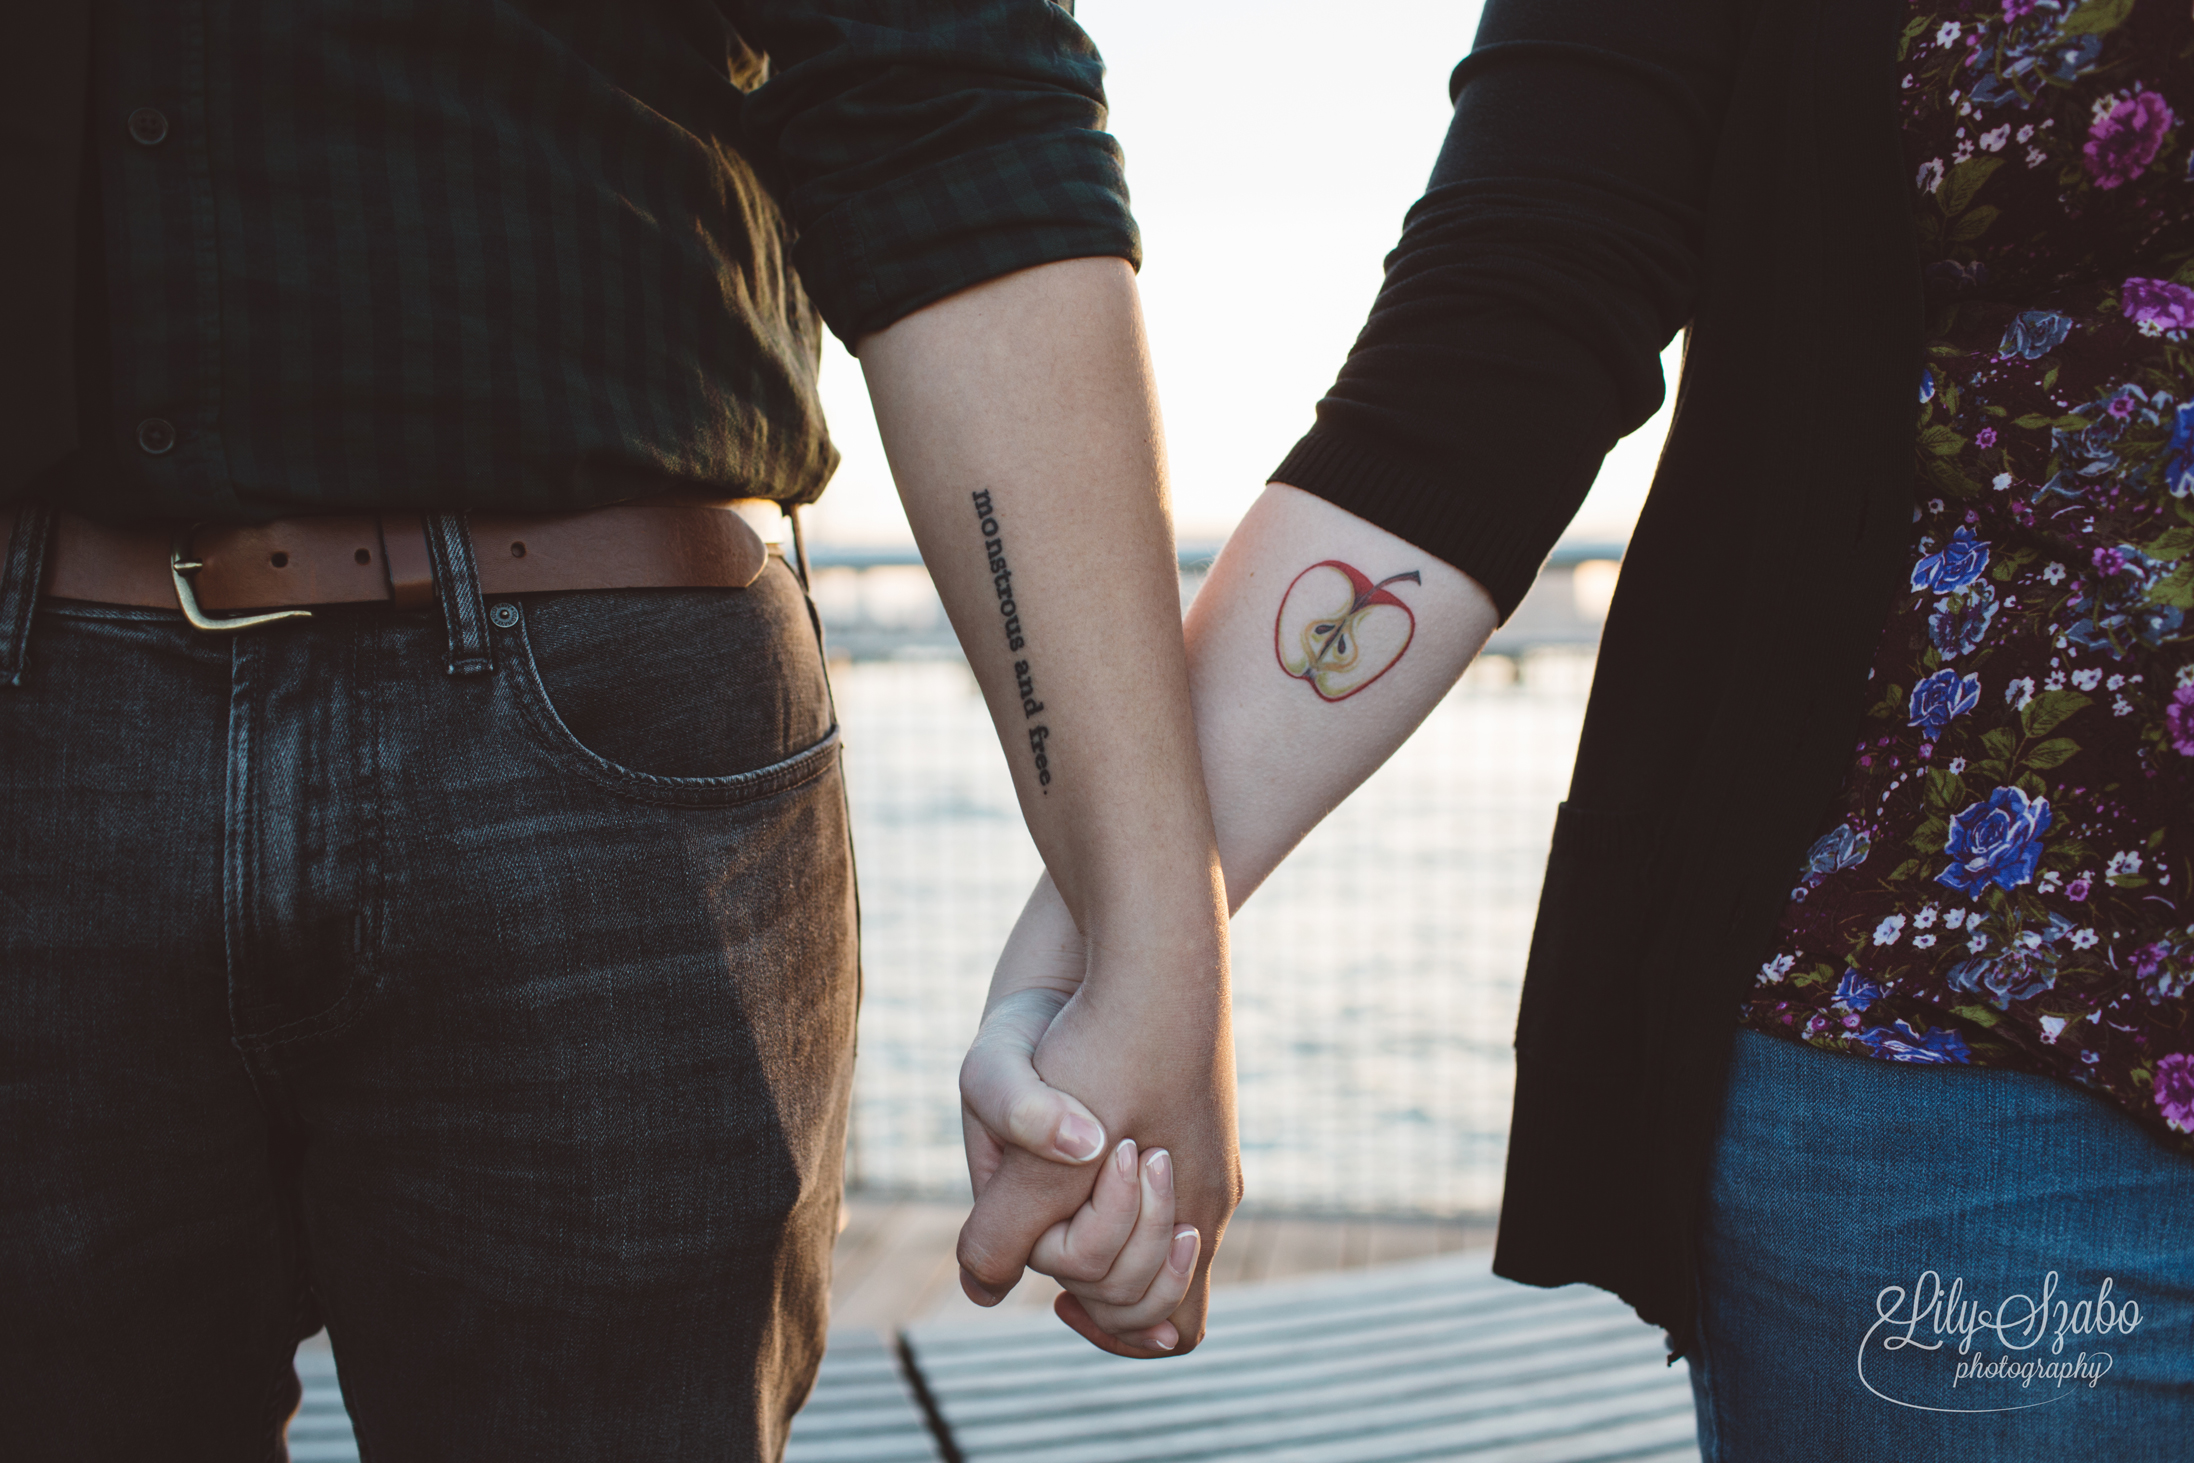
(1079, 1138)
(1124, 1158)
(1161, 1172)
(1183, 1254)
(1165, 1337)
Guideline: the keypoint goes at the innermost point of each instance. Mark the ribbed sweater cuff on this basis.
(1495, 516)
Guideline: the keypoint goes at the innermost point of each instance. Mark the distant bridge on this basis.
(878, 604)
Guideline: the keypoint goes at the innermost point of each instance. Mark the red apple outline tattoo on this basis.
(1330, 646)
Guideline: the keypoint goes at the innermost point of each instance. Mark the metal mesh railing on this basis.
(1376, 974)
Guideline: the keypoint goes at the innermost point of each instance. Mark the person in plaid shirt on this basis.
(429, 901)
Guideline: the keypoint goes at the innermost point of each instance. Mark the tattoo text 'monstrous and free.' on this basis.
(1009, 610)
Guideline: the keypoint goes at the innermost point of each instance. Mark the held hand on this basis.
(1152, 1059)
(1124, 1262)
(1003, 1103)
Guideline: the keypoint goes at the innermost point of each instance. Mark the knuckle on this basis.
(1081, 1269)
(1030, 1114)
(1118, 1293)
(978, 1260)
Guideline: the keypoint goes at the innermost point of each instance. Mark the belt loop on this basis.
(22, 572)
(457, 583)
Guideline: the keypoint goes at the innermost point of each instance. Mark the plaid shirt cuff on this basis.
(889, 251)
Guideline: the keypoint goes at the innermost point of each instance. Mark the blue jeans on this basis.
(502, 1020)
(1902, 1262)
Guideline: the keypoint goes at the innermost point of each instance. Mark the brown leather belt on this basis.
(383, 558)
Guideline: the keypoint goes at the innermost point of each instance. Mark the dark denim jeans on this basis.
(502, 1020)
(1906, 1262)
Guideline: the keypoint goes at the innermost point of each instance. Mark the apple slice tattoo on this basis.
(1339, 631)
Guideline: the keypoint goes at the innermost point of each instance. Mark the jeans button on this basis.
(155, 435)
(503, 616)
(148, 127)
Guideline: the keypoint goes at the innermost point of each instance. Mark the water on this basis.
(1376, 973)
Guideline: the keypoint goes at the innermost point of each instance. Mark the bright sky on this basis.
(1272, 151)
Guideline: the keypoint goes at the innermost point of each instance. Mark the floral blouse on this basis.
(2007, 878)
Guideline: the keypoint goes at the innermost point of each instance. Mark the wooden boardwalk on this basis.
(1344, 1341)
(1432, 1359)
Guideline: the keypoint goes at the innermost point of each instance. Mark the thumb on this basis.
(1001, 1089)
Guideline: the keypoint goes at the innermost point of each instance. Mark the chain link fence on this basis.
(1376, 974)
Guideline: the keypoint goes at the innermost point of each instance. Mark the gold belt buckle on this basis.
(180, 566)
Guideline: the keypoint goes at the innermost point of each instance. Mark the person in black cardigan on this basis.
(1615, 174)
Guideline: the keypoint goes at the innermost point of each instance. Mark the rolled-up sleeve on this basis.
(1557, 250)
(920, 148)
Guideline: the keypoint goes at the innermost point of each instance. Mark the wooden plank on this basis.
(899, 1266)
(861, 1410)
(1316, 1382)
(1223, 1421)
(1279, 1364)
(1291, 1315)
(320, 1432)
(1301, 1245)
(1425, 1360)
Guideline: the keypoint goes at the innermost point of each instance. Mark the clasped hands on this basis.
(1099, 1123)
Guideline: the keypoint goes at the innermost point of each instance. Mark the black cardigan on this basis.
(1616, 171)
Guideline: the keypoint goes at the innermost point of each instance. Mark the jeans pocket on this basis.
(698, 695)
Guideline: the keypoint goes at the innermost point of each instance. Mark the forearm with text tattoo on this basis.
(1022, 428)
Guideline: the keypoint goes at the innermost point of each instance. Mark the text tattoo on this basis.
(1001, 579)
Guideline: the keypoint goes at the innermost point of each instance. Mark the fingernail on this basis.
(1183, 1253)
(976, 1291)
(1161, 1172)
(1124, 1156)
(1165, 1338)
(1079, 1138)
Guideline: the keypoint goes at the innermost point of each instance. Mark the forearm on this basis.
(1279, 751)
(1290, 716)
(1023, 432)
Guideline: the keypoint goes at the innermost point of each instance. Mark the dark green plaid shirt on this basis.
(533, 255)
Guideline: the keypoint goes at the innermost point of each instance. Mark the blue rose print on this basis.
(1900, 1043)
(1927, 384)
(2034, 334)
(2118, 610)
(2179, 454)
(1839, 848)
(2025, 966)
(1941, 697)
(1953, 566)
(2090, 451)
(1959, 625)
(2029, 48)
(1997, 842)
(1856, 991)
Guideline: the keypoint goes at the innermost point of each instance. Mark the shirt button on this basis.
(148, 127)
(155, 435)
